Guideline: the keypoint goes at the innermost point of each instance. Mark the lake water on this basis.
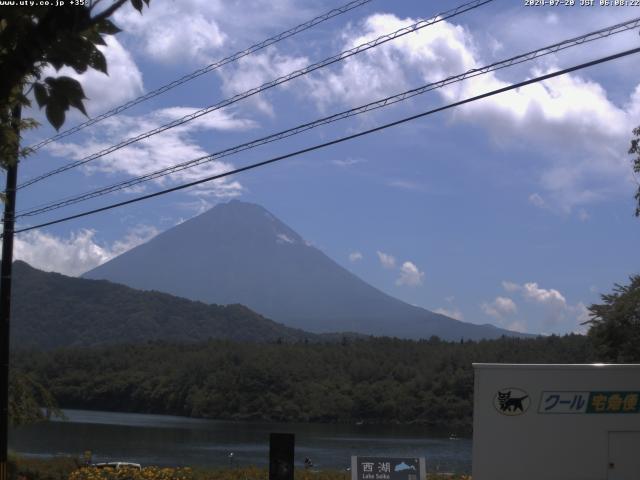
(180, 441)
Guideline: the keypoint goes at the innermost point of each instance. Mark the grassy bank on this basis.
(58, 468)
(66, 468)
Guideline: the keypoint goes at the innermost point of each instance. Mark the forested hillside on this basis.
(377, 380)
(52, 310)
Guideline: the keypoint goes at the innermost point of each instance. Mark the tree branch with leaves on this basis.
(615, 323)
(635, 150)
(30, 401)
(32, 38)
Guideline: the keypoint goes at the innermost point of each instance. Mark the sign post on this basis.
(388, 468)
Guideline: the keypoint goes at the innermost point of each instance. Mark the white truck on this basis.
(556, 422)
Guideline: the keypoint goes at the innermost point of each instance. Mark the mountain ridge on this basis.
(238, 252)
(51, 310)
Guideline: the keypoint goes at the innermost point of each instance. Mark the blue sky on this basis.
(516, 210)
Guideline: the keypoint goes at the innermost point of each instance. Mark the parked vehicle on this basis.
(117, 465)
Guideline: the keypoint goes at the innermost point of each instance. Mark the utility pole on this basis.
(5, 290)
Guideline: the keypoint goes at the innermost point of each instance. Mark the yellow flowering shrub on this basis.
(246, 473)
(126, 473)
(322, 475)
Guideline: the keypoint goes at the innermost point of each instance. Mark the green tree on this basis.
(32, 38)
(30, 401)
(635, 150)
(615, 324)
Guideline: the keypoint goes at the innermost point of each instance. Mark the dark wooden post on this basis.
(5, 294)
(281, 452)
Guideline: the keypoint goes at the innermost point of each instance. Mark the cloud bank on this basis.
(77, 253)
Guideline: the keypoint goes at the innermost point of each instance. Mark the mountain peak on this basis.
(238, 252)
(237, 205)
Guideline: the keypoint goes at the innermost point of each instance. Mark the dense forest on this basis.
(380, 380)
(79, 312)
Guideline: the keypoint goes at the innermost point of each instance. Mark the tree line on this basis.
(379, 380)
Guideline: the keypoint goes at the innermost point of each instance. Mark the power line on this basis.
(598, 34)
(266, 86)
(231, 58)
(241, 96)
(338, 140)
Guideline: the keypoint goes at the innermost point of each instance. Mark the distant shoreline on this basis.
(172, 440)
(440, 433)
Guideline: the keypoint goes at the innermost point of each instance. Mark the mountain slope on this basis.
(51, 310)
(240, 253)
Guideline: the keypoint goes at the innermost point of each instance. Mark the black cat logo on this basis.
(511, 401)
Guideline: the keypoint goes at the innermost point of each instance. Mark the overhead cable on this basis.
(209, 68)
(336, 141)
(266, 86)
(529, 56)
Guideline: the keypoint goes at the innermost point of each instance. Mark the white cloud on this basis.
(503, 310)
(453, 313)
(410, 275)
(580, 133)
(386, 260)
(77, 253)
(556, 310)
(582, 315)
(500, 307)
(551, 297)
(250, 72)
(174, 32)
(536, 200)
(103, 92)
(355, 257)
(430, 53)
(510, 286)
(161, 150)
(194, 207)
(203, 31)
(513, 29)
(223, 120)
(71, 256)
(406, 185)
(495, 45)
(517, 326)
(347, 162)
(136, 236)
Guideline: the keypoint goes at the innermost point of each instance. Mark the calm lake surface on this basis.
(180, 441)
